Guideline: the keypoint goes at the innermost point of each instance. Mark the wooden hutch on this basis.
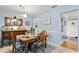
(12, 28)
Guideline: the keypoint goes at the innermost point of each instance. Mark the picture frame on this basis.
(36, 25)
(18, 22)
(28, 23)
(7, 21)
(35, 21)
(46, 20)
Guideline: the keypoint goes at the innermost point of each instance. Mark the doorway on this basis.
(70, 29)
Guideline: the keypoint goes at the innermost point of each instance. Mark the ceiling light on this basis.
(23, 14)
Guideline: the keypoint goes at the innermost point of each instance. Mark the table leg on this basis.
(1, 43)
(13, 42)
(28, 47)
(13, 50)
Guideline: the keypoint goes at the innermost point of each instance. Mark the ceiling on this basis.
(29, 9)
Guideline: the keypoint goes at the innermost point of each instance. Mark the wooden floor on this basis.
(49, 49)
(70, 44)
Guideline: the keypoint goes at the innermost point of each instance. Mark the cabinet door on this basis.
(6, 35)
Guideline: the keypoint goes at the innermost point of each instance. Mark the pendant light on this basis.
(23, 14)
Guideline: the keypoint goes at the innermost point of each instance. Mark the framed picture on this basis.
(35, 21)
(36, 25)
(46, 20)
(18, 22)
(7, 21)
(28, 23)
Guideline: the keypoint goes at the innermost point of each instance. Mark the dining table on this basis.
(29, 38)
(26, 38)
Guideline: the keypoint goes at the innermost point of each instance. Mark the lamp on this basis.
(23, 14)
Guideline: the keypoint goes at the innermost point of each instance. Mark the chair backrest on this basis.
(42, 35)
(45, 33)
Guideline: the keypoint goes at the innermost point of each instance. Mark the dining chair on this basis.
(20, 46)
(40, 43)
(46, 35)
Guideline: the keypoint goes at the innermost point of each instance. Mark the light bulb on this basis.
(24, 15)
(14, 19)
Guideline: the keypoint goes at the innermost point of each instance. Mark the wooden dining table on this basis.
(28, 39)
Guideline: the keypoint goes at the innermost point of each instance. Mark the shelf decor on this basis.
(13, 21)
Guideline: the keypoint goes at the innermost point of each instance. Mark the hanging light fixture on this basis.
(23, 14)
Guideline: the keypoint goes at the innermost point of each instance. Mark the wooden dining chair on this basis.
(45, 33)
(40, 43)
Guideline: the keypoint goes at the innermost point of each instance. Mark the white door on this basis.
(72, 28)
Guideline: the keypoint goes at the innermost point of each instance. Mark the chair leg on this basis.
(23, 48)
(37, 49)
(34, 49)
(26, 49)
(45, 43)
(43, 47)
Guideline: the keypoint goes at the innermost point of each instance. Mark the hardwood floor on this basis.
(70, 44)
(49, 49)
